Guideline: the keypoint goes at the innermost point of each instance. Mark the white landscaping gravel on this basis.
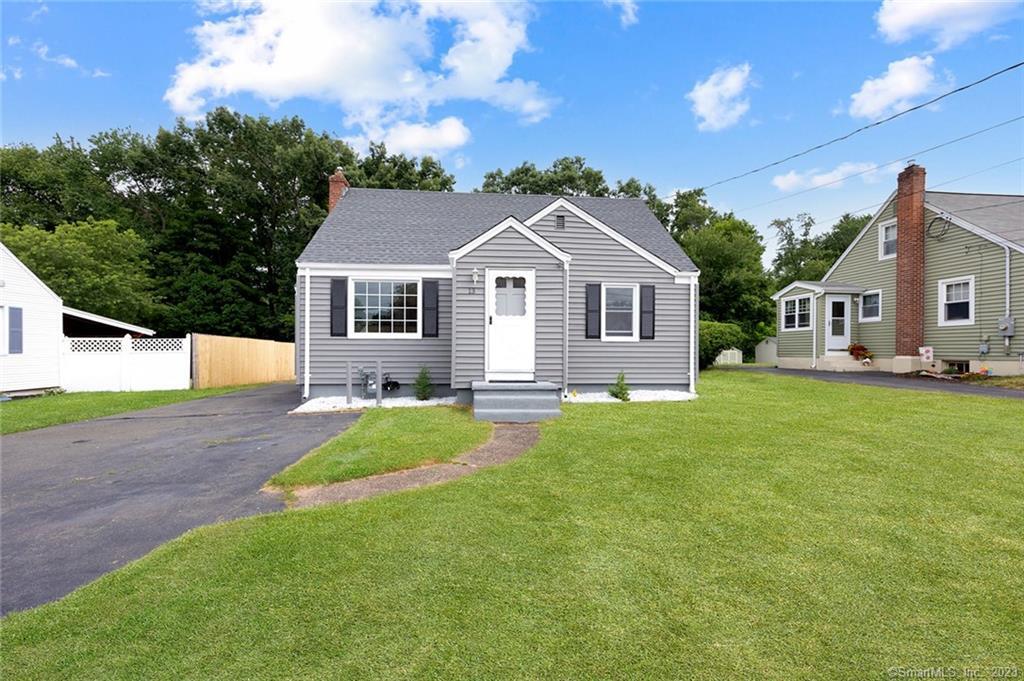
(636, 396)
(337, 403)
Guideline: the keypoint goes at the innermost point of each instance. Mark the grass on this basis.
(385, 440)
(1016, 382)
(777, 528)
(29, 413)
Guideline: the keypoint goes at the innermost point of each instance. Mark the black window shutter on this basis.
(15, 331)
(593, 311)
(430, 308)
(647, 312)
(339, 307)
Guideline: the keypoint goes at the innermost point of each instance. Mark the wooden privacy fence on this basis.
(224, 360)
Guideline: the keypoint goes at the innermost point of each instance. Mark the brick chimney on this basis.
(910, 261)
(339, 183)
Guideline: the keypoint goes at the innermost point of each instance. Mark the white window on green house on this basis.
(887, 233)
(956, 302)
(796, 313)
(871, 306)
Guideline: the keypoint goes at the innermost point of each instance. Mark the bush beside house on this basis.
(715, 337)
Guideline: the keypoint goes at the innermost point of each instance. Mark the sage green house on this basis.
(934, 280)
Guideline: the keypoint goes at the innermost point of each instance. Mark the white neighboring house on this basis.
(32, 319)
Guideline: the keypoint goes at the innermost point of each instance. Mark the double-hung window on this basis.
(385, 308)
(621, 312)
(871, 306)
(796, 313)
(956, 302)
(887, 233)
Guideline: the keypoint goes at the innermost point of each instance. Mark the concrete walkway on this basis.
(888, 380)
(82, 499)
(508, 442)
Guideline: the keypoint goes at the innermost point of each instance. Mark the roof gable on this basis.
(516, 226)
(32, 275)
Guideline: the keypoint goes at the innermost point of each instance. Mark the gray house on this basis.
(508, 300)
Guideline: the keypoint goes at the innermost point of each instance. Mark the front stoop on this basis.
(516, 402)
(843, 364)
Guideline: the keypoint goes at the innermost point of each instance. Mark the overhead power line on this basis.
(861, 129)
(882, 165)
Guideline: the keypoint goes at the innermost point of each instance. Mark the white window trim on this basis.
(860, 312)
(881, 239)
(635, 337)
(4, 326)
(810, 307)
(941, 318)
(352, 333)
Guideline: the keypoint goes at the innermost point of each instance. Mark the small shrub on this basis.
(859, 352)
(619, 389)
(715, 337)
(423, 387)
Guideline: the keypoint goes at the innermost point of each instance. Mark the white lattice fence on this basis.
(125, 364)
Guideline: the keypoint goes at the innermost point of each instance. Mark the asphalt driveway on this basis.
(887, 380)
(81, 499)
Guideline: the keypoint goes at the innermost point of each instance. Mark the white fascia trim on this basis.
(941, 312)
(510, 223)
(100, 319)
(881, 239)
(601, 227)
(856, 240)
(798, 284)
(373, 270)
(687, 277)
(861, 319)
(974, 229)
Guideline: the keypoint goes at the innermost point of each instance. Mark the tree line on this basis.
(197, 228)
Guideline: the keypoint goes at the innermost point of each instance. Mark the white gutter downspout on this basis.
(565, 332)
(1006, 339)
(814, 330)
(305, 342)
(693, 334)
(453, 262)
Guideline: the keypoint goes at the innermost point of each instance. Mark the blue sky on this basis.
(675, 94)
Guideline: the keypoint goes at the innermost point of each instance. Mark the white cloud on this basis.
(718, 102)
(14, 40)
(377, 62)
(903, 82)
(38, 12)
(627, 11)
(42, 51)
(100, 73)
(833, 179)
(419, 139)
(947, 22)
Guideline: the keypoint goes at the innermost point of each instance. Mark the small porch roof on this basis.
(107, 321)
(820, 287)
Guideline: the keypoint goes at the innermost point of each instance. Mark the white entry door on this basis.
(837, 324)
(509, 325)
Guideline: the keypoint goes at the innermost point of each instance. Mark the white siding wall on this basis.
(38, 365)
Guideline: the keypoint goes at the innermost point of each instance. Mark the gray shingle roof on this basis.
(1000, 214)
(405, 227)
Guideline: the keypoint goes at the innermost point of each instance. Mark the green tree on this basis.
(801, 256)
(92, 265)
(567, 176)
(733, 284)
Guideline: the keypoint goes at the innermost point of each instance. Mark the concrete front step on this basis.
(519, 402)
(842, 364)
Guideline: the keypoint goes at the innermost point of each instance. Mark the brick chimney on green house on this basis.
(910, 189)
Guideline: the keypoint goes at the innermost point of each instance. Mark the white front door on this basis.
(837, 324)
(509, 325)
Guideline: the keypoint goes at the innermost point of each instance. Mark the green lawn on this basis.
(1016, 382)
(775, 528)
(28, 413)
(384, 440)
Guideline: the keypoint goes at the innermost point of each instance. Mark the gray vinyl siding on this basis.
(400, 357)
(961, 253)
(862, 267)
(508, 250)
(795, 343)
(597, 258)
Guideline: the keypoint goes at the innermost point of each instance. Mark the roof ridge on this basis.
(934, 191)
(568, 197)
